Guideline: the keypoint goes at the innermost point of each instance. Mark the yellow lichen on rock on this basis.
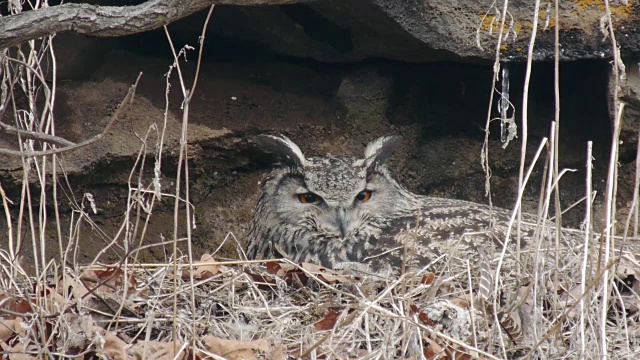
(617, 8)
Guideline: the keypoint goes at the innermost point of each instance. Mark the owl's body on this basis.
(349, 212)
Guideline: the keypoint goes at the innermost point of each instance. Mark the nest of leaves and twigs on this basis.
(278, 309)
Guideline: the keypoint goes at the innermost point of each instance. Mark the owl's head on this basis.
(316, 202)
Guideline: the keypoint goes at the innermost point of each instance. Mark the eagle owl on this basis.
(344, 212)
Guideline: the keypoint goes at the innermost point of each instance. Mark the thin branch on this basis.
(33, 135)
(90, 141)
(107, 21)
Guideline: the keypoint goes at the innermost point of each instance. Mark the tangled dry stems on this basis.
(250, 309)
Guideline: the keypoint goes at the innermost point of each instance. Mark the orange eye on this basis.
(308, 198)
(364, 196)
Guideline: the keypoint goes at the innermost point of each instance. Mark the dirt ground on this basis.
(439, 109)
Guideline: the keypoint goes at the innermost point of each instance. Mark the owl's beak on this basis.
(343, 224)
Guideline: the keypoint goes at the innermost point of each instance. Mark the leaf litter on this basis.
(279, 310)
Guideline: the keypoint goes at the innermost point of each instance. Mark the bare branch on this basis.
(34, 135)
(107, 21)
(73, 146)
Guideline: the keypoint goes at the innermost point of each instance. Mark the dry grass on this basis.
(247, 309)
(558, 299)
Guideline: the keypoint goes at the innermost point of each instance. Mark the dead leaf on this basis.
(14, 305)
(16, 352)
(328, 275)
(107, 281)
(328, 322)
(203, 269)
(156, 350)
(273, 267)
(299, 274)
(10, 327)
(422, 316)
(427, 279)
(114, 277)
(261, 280)
(76, 332)
(460, 302)
(292, 274)
(434, 351)
(74, 285)
(236, 350)
(114, 347)
(277, 352)
(454, 353)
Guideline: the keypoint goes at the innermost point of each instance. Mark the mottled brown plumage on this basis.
(392, 228)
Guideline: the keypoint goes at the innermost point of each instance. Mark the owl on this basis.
(349, 212)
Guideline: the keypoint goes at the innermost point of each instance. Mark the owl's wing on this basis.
(447, 233)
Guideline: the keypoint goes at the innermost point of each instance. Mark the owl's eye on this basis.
(364, 196)
(309, 198)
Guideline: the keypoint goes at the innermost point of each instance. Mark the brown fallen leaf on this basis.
(328, 322)
(262, 280)
(13, 305)
(456, 353)
(328, 275)
(16, 352)
(422, 316)
(115, 277)
(277, 352)
(427, 279)
(113, 347)
(76, 333)
(236, 350)
(74, 286)
(203, 269)
(107, 281)
(299, 274)
(275, 268)
(157, 350)
(292, 274)
(433, 351)
(460, 302)
(10, 327)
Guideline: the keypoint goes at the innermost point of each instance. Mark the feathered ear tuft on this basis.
(379, 150)
(283, 149)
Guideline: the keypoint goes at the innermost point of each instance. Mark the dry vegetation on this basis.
(208, 308)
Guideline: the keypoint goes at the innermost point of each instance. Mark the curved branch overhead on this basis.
(107, 21)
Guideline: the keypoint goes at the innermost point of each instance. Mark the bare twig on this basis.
(34, 135)
(90, 141)
(587, 235)
(610, 194)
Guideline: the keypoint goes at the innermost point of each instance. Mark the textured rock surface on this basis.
(427, 30)
(439, 109)
(629, 93)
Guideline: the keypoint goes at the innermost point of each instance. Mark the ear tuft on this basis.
(282, 148)
(379, 150)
